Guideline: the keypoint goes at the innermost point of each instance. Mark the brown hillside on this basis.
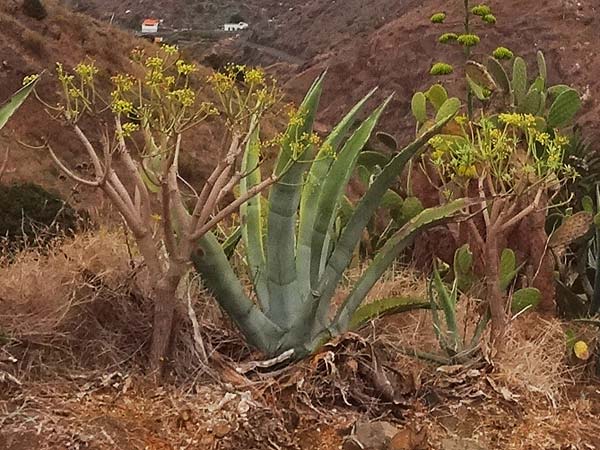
(30, 46)
(397, 57)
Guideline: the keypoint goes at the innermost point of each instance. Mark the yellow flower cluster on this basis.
(170, 49)
(86, 71)
(524, 121)
(154, 62)
(63, 76)
(129, 128)
(184, 68)
(186, 97)
(221, 82)
(121, 106)
(254, 76)
(30, 79)
(123, 82)
(154, 78)
(296, 117)
(469, 171)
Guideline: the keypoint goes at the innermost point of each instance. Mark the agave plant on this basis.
(8, 109)
(294, 259)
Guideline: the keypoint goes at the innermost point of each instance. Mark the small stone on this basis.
(222, 429)
(371, 435)
(409, 439)
(460, 444)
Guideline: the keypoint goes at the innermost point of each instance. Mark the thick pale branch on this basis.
(206, 190)
(485, 212)
(69, 173)
(90, 149)
(476, 234)
(525, 212)
(235, 179)
(132, 170)
(233, 206)
(209, 190)
(211, 202)
(128, 214)
(120, 189)
(166, 219)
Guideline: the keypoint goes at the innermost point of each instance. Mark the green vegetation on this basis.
(157, 105)
(297, 265)
(28, 212)
(35, 9)
(513, 154)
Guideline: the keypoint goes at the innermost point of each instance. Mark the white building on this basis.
(235, 26)
(150, 26)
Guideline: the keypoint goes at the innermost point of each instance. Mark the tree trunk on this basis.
(493, 291)
(541, 261)
(164, 297)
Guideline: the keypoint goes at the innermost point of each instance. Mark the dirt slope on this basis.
(30, 46)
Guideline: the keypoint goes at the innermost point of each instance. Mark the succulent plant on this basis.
(296, 267)
(503, 53)
(438, 17)
(441, 68)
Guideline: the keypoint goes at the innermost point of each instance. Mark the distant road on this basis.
(192, 35)
(279, 54)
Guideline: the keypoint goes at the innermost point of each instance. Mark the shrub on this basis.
(35, 9)
(34, 42)
(27, 208)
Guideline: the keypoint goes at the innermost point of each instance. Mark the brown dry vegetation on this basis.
(73, 328)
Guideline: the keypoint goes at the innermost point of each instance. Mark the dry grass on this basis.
(73, 305)
(40, 286)
(534, 359)
(77, 308)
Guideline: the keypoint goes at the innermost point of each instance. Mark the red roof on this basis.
(151, 21)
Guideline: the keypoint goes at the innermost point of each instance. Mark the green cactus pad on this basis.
(519, 81)
(564, 108)
(527, 298)
(419, 107)
(499, 74)
(437, 95)
(449, 108)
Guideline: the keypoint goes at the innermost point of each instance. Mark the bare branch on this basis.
(234, 205)
(125, 156)
(90, 149)
(215, 178)
(211, 202)
(207, 188)
(476, 234)
(486, 214)
(166, 220)
(4, 165)
(132, 220)
(525, 212)
(69, 173)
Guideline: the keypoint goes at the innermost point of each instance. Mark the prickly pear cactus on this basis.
(463, 268)
(519, 81)
(419, 107)
(564, 108)
(527, 298)
(508, 268)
